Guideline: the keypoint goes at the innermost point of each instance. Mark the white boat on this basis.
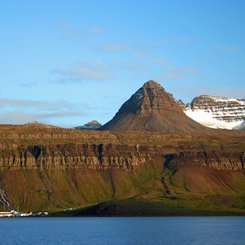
(12, 213)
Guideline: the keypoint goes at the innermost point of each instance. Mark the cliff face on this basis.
(79, 156)
(214, 159)
(74, 175)
(105, 156)
(67, 175)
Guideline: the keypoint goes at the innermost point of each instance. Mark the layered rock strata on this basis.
(217, 112)
(213, 159)
(85, 156)
(104, 156)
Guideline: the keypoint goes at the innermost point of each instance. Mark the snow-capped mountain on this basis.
(217, 112)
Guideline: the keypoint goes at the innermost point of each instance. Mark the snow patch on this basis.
(207, 119)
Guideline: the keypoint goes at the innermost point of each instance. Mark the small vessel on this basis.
(14, 213)
(11, 213)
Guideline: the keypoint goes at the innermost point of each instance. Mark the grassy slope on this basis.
(52, 190)
(195, 191)
(192, 191)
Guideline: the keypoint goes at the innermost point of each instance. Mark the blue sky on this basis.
(67, 62)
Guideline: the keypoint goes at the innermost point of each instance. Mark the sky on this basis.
(67, 62)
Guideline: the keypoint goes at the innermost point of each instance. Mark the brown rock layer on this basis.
(84, 156)
(213, 159)
(104, 156)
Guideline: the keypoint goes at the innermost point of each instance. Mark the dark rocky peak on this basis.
(152, 97)
(151, 108)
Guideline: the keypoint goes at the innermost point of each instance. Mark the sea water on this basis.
(125, 230)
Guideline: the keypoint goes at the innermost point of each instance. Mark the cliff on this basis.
(213, 159)
(78, 156)
(68, 175)
(105, 156)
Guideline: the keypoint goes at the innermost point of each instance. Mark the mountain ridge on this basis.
(217, 111)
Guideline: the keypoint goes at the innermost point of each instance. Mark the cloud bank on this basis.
(18, 111)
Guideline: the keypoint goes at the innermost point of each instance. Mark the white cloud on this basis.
(179, 40)
(97, 30)
(28, 84)
(19, 117)
(85, 71)
(178, 72)
(134, 66)
(112, 47)
(69, 31)
(228, 48)
(17, 111)
(22, 103)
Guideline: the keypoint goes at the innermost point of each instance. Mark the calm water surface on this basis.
(140, 230)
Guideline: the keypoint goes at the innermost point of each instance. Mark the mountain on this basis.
(151, 108)
(184, 169)
(92, 125)
(217, 112)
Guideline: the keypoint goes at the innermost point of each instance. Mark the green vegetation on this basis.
(164, 206)
(136, 190)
